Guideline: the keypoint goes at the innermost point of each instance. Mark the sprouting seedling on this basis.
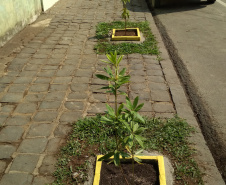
(123, 120)
(125, 12)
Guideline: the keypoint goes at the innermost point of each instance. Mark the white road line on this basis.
(221, 2)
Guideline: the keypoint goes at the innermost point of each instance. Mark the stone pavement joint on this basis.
(49, 82)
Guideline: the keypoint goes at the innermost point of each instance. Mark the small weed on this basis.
(104, 46)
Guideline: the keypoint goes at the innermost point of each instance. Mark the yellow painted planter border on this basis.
(126, 38)
(162, 176)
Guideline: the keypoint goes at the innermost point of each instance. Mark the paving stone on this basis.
(11, 134)
(137, 79)
(97, 89)
(12, 97)
(138, 86)
(46, 73)
(158, 95)
(24, 163)
(43, 80)
(37, 61)
(33, 145)
(147, 106)
(26, 108)
(58, 87)
(163, 107)
(50, 105)
(137, 67)
(40, 130)
(15, 67)
(98, 98)
(45, 116)
(6, 151)
(59, 95)
(77, 96)
(34, 97)
(18, 120)
(69, 117)
(22, 80)
(28, 74)
(48, 165)
(164, 115)
(50, 67)
(53, 145)
(17, 88)
(2, 166)
(39, 88)
(157, 86)
(138, 73)
(40, 180)
(55, 61)
(6, 79)
(62, 80)
(97, 108)
(142, 96)
(81, 80)
(3, 119)
(14, 178)
(97, 81)
(62, 130)
(66, 71)
(84, 73)
(156, 79)
(32, 67)
(7, 108)
(153, 67)
(79, 87)
(74, 105)
(154, 72)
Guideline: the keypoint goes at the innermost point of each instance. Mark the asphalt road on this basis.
(195, 34)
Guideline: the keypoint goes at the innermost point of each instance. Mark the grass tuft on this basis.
(104, 46)
(90, 137)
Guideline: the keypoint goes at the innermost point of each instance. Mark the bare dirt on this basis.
(126, 33)
(145, 174)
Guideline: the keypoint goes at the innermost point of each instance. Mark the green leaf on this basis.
(139, 152)
(119, 59)
(107, 156)
(127, 126)
(123, 93)
(122, 72)
(124, 154)
(102, 77)
(139, 107)
(110, 110)
(128, 103)
(116, 158)
(135, 127)
(138, 160)
(135, 102)
(140, 140)
(106, 62)
(120, 109)
(139, 117)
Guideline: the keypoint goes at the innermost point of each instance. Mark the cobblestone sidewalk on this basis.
(51, 82)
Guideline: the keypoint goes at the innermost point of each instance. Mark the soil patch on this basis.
(144, 174)
(126, 33)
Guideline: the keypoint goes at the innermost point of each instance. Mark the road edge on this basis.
(203, 156)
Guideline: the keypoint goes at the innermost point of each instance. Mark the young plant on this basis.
(116, 79)
(123, 120)
(125, 12)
